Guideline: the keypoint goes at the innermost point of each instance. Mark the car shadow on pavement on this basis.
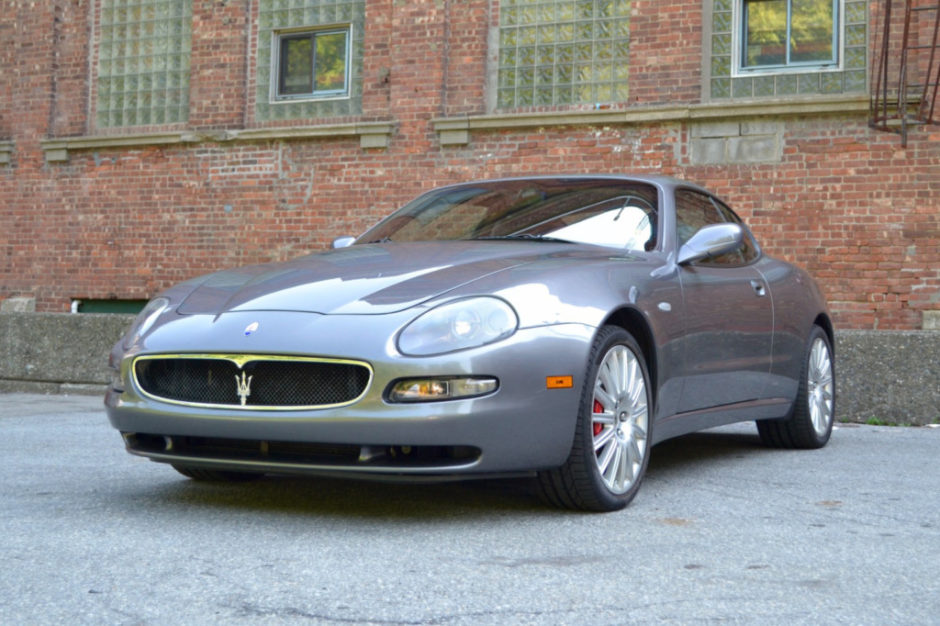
(282, 495)
(364, 499)
(707, 448)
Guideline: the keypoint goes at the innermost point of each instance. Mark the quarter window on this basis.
(789, 33)
(313, 64)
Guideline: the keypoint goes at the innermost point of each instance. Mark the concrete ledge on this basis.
(57, 352)
(456, 130)
(371, 135)
(891, 376)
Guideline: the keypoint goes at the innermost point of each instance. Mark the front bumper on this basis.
(522, 426)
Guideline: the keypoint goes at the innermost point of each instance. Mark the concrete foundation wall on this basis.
(891, 376)
(57, 352)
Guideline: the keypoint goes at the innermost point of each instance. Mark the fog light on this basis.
(433, 389)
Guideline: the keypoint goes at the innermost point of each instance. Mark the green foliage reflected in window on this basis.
(313, 64)
(780, 33)
(331, 62)
(812, 25)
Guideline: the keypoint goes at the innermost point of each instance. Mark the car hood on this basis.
(363, 279)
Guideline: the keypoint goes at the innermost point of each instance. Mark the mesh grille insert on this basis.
(261, 382)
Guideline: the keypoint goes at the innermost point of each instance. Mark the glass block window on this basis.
(779, 48)
(563, 52)
(309, 59)
(143, 62)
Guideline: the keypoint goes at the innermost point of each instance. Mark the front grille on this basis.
(249, 381)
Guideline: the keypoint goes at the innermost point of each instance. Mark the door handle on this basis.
(759, 287)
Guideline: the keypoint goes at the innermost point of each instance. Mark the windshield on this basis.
(618, 214)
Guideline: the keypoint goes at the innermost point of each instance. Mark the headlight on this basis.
(145, 320)
(458, 325)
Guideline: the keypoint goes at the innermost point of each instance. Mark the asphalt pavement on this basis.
(723, 531)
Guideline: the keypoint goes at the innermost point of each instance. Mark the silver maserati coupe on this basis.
(556, 327)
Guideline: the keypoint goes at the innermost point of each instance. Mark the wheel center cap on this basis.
(623, 425)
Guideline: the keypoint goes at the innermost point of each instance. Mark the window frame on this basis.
(739, 45)
(278, 36)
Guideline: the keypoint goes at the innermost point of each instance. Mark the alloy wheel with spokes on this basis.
(810, 422)
(820, 396)
(611, 444)
(620, 419)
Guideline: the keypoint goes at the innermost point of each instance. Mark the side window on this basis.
(695, 210)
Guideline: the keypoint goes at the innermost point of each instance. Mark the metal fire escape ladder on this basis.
(906, 81)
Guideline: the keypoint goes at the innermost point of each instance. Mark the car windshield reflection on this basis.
(617, 214)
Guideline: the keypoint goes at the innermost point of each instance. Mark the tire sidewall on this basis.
(802, 409)
(608, 338)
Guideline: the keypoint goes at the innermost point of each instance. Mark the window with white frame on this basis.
(781, 48)
(780, 34)
(312, 64)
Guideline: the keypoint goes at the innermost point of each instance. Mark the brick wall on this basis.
(849, 203)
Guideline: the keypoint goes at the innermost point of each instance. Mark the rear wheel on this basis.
(611, 444)
(810, 422)
(215, 476)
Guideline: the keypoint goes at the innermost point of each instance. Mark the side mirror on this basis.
(343, 242)
(711, 241)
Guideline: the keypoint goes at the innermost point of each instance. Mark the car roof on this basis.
(658, 180)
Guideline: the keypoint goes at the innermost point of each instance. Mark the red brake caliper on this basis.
(598, 427)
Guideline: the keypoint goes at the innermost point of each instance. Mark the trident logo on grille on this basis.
(244, 387)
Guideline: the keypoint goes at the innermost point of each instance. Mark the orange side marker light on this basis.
(559, 382)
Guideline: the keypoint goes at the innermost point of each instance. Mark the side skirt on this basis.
(693, 421)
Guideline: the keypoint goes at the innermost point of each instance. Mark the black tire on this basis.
(216, 476)
(621, 429)
(809, 424)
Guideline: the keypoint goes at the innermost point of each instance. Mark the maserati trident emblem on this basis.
(244, 387)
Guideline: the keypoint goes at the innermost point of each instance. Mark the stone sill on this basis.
(6, 152)
(456, 130)
(371, 135)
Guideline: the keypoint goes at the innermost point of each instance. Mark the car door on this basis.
(728, 315)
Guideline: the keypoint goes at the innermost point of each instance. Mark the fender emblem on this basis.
(244, 387)
(252, 328)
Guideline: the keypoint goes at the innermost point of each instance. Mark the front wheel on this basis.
(611, 444)
(809, 424)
